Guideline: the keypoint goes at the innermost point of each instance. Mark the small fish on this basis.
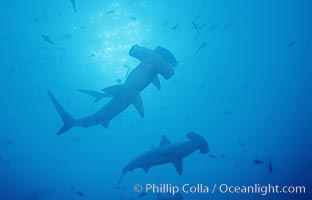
(83, 27)
(204, 84)
(169, 3)
(175, 26)
(291, 44)
(229, 112)
(44, 14)
(227, 25)
(224, 157)
(81, 194)
(133, 127)
(245, 84)
(35, 20)
(8, 37)
(212, 156)
(9, 142)
(61, 60)
(257, 162)
(73, 2)
(118, 81)
(12, 71)
(59, 13)
(241, 144)
(110, 12)
(270, 166)
(213, 27)
(202, 45)
(7, 162)
(6, 4)
(219, 78)
(163, 108)
(133, 18)
(167, 22)
(201, 11)
(195, 26)
(214, 65)
(236, 164)
(91, 55)
(47, 39)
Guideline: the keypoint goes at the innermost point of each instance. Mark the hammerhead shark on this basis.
(168, 153)
(153, 62)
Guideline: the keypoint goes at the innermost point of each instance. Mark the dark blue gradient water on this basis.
(243, 82)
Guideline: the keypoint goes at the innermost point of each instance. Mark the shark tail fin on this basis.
(199, 140)
(97, 95)
(119, 181)
(68, 120)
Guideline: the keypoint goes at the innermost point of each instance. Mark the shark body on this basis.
(168, 153)
(123, 95)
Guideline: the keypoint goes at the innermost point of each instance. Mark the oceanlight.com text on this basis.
(219, 188)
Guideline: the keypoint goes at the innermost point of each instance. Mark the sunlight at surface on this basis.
(115, 41)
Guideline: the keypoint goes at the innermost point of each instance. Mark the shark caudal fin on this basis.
(199, 140)
(97, 95)
(119, 181)
(68, 120)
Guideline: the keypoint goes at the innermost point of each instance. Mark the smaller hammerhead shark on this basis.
(168, 153)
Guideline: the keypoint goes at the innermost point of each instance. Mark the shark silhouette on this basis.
(168, 153)
(153, 62)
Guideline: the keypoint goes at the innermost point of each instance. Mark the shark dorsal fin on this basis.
(138, 104)
(156, 82)
(179, 166)
(164, 140)
(115, 89)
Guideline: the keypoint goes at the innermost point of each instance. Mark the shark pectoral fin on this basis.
(179, 166)
(164, 140)
(138, 104)
(105, 124)
(115, 89)
(146, 168)
(156, 82)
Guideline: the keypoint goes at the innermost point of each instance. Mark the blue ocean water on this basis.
(243, 82)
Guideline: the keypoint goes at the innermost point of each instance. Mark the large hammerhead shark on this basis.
(153, 62)
(168, 153)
